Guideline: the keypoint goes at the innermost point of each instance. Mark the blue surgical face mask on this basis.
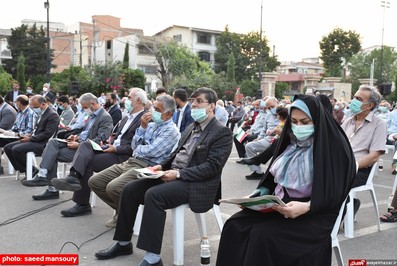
(302, 132)
(336, 107)
(28, 91)
(61, 107)
(355, 106)
(382, 109)
(128, 106)
(273, 110)
(199, 114)
(156, 117)
(37, 110)
(262, 104)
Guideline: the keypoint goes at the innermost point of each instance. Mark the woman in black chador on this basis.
(312, 171)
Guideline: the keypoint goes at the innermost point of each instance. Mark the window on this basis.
(145, 49)
(148, 69)
(178, 38)
(204, 56)
(109, 44)
(203, 38)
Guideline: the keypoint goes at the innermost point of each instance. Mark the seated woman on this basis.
(312, 171)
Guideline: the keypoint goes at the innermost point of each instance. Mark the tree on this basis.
(31, 42)
(360, 66)
(126, 59)
(21, 71)
(336, 50)
(133, 78)
(231, 64)
(281, 88)
(5, 81)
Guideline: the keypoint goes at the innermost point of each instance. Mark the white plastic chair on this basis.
(10, 167)
(349, 217)
(389, 147)
(334, 236)
(178, 220)
(30, 161)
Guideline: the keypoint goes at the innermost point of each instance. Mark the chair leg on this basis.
(374, 201)
(92, 199)
(178, 219)
(138, 220)
(30, 157)
(218, 216)
(200, 218)
(338, 253)
(349, 222)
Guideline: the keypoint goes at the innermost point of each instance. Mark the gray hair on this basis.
(220, 102)
(375, 96)
(140, 95)
(168, 102)
(272, 99)
(88, 98)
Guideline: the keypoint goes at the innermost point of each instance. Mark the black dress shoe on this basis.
(254, 176)
(145, 263)
(114, 251)
(77, 210)
(247, 161)
(37, 181)
(46, 195)
(69, 183)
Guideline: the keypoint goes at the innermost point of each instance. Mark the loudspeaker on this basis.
(74, 88)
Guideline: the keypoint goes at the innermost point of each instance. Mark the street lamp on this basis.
(384, 4)
(260, 63)
(47, 6)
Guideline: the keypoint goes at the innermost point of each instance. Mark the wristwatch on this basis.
(178, 174)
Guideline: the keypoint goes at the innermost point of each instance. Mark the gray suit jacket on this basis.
(7, 116)
(205, 165)
(101, 128)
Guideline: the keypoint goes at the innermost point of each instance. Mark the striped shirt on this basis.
(25, 122)
(156, 142)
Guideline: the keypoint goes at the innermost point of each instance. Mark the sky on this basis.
(293, 27)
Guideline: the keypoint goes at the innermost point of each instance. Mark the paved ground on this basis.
(28, 226)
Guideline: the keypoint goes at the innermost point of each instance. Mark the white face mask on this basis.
(45, 89)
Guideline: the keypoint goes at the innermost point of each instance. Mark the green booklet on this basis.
(262, 203)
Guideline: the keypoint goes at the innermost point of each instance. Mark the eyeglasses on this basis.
(197, 100)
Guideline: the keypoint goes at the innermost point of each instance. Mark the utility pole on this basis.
(81, 51)
(259, 92)
(47, 6)
(384, 4)
(94, 43)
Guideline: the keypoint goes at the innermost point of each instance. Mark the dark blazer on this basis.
(101, 128)
(115, 113)
(50, 95)
(186, 118)
(9, 98)
(46, 127)
(126, 139)
(8, 115)
(205, 165)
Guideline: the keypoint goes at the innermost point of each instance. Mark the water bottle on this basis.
(205, 251)
(380, 165)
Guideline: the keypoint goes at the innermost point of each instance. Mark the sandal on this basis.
(389, 217)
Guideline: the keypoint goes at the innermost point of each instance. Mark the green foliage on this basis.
(249, 87)
(281, 88)
(5, 81)
(21, 71)
(231, 64)
(360, 66)
(336, 50)
(133, 78)
(126, 59)
(246, 51)
(31, 42)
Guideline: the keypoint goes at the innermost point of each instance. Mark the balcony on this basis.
(5, 54)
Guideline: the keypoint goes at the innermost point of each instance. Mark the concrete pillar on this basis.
(312, 81)
(268, 83)
(367, 81)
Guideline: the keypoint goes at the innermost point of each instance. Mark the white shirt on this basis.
(127, 124)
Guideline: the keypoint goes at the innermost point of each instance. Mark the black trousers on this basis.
(240, 146)
(157, 197)
(16, 152)
(87, 161)
(361, 177)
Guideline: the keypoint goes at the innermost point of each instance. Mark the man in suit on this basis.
(24, 123)
(67, 113)
(112, 108)
(97, 129)
(86, 161)
(192, 176)
(47, 125)
(11, 96)
(47, 93)
(152, 143)
(7, 115)
(182, 117)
